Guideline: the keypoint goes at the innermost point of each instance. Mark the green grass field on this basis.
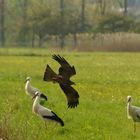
(103, 81)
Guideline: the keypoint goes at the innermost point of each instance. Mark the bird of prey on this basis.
(133, 112)
(45, 113)
(30, 90)
(66, 71)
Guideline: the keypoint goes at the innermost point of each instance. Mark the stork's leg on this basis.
(54, 125)
(134, 127)
(45, 125)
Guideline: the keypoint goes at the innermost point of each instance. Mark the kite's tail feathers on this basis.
(49, 74)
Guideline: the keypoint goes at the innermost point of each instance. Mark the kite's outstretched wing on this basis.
(66, 70)
(71, 94)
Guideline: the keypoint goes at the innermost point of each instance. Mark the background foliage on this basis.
(62, 23)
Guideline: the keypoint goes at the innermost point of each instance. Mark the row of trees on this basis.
(25, 22)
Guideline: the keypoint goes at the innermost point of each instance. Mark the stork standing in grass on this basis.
(30, 90)
(133, 112)
(45, 113)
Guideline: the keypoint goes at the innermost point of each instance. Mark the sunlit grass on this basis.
(103, 81)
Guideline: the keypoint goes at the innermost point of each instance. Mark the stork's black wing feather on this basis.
(55, 118)
(71, 94)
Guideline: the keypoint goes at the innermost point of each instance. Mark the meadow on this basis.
(103, 81)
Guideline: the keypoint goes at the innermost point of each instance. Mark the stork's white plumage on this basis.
(133, 112)
(45, 113)
(30, 90)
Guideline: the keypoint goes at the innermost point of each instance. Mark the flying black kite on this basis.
(66, 71)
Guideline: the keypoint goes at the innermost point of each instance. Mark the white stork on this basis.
(45, 113)
(133, 112)
(30, 90)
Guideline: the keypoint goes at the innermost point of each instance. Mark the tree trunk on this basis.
(2, 22)
(24, 30)
(39, 42)
(75, 39)
(33, 39)
(83, 14)
(125, 7)
(62, 36)
(56, 40)
(102, 6)
(62, 40)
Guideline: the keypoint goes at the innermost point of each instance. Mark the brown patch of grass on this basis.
(5, 128)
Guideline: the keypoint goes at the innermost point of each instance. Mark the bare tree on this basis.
(2, 22)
